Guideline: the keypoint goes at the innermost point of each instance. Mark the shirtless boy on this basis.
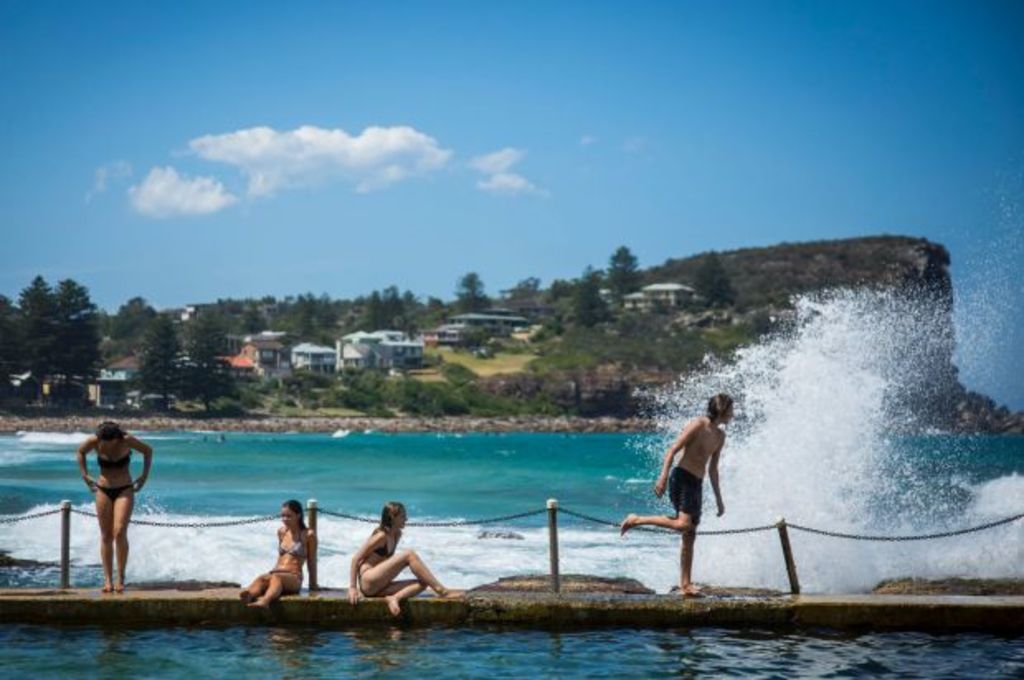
(701, 442)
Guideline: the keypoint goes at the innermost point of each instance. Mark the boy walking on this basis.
(701, 443)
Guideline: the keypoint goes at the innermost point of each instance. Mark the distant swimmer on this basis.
(296, 546)
(115, 493)
(701, 442)
(377, 564)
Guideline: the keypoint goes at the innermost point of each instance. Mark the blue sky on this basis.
(188, 151)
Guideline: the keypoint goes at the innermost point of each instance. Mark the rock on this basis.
(571, 583)
(7, 561)
(508, 535)
(732, 591)
(951, 586)
(187, 586)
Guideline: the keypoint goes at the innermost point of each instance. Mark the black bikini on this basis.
(383, 550)
(105, 463)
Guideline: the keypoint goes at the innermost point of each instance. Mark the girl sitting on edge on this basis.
(296, 545)
(376, 565)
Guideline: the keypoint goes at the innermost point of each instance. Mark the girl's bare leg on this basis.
(277, 585)
(105, 515)
(376, 578)
(397, 591)
(122, 516)
(255, 589)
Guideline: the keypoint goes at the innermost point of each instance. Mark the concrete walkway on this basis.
(330, 609)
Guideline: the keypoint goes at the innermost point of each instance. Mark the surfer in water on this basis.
(701, 443)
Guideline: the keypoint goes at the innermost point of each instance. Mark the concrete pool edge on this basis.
(330, 609)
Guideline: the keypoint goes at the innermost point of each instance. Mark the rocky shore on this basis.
(10, 424)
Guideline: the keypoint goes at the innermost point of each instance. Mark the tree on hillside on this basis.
(76, 352)
(712, 282)
(38, 327)
(470, 294)
(252, 319)
(132, 319)
(589, 307)
(205, 374)
(160, 365)
(623, 274)
(11, 349)
(527, 289)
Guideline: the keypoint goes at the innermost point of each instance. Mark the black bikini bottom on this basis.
(113, 491)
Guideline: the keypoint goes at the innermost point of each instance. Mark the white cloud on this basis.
(634, 144)
(113, 171)
(165, 193)
(497, 162)
(587, 140)
(274, 160)
(499, 180)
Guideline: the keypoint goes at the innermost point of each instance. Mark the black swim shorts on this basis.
(686, 491)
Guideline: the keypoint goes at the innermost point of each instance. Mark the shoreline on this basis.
(11, 424)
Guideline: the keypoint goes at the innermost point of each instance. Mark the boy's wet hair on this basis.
(391, 510)
(108, 431)
(718, 406)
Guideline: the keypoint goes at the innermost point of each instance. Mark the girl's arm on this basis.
(311, 559)
(372, 543)
(147, 453)
(87, 446)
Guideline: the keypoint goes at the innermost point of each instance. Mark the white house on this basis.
(658, 295)
(314, 358)
(380, 349)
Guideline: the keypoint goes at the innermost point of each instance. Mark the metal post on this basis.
(65, 544)
(556, 582)
(311, 523)
(787, 554)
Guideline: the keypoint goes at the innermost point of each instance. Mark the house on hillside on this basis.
(658, 296)
(492, 321)
(383, 350)
(314, 358)
(241, 367)
(269, 355)
(111, 389)
(448, 335)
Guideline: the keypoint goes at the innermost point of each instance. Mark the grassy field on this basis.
(500, 363)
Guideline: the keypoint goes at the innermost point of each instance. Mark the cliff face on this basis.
(766, 279)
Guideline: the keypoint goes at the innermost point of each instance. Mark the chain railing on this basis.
(552, 509)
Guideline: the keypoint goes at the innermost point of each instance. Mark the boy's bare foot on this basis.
(691, 591)
(627, 524)
(394, 606)
(245, 596)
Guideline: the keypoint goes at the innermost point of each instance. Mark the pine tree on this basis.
(712, 282)
(132, 320)
(12, 357)
(76, 352)
(623, 275)
(38, 328)
(206, 374)
(160, 365)
(470, 293)
(589, 308)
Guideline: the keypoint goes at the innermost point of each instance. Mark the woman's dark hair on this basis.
(391, 510)
(108, 430)
(295, 507)
(718, 406)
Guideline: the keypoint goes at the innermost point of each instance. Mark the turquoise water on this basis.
(444, 653)
(935, 482)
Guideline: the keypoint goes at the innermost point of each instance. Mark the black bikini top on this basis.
(119, 463)
(383, 550)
